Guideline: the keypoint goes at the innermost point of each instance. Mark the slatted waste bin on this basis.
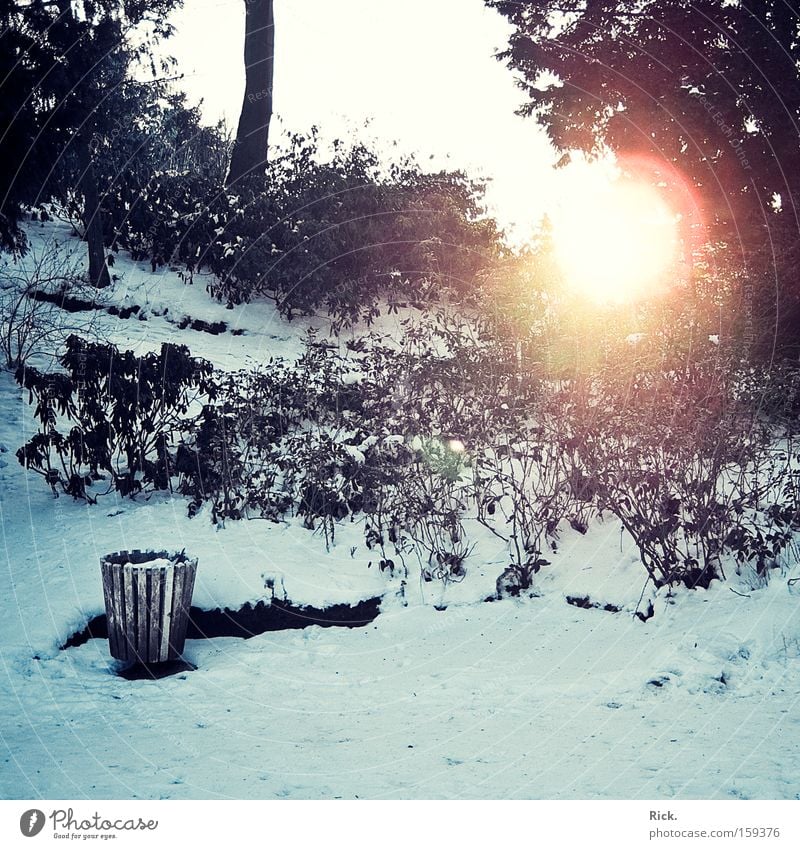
(148, 595)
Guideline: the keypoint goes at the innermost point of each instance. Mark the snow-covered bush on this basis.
(160, 174)
(689, 466)
(342, 435)
(338, 233)
(120, 414)
(234, 458)
(388, 514)
(522, 495)
(342, 233)
(435, 489)
(277, 439)
(174, 218)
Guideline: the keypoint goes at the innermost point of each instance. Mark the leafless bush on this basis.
(436, 490)
(690, 467)
(522, 495)
(32, 320)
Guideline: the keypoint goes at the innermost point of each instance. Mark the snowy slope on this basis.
(528, 698)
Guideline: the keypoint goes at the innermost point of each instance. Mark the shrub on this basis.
(32, 291)
(160, 174)
(124, 411)
(522, 495)
(436, 490)
(337, 235)
(686, 464)
(324, 439)
(277, 439)
(233, 458)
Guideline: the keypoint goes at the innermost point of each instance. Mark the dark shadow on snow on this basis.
(253, 619)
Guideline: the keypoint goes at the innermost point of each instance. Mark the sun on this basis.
(615, 238)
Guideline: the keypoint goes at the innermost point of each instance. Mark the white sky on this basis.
(422, 71)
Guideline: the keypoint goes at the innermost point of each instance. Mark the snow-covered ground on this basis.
(527, 698)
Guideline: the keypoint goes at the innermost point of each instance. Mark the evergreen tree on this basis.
(25, 147)
(68, 68)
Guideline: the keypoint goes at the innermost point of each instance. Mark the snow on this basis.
(155, 563)
(503, 700)
(443, 696)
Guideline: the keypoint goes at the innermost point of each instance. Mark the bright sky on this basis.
(423, 72)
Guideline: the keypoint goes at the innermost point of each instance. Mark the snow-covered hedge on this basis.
(419, 439)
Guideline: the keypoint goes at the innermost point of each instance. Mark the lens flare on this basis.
(615, 236)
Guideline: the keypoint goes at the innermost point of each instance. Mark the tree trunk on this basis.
(92, 216)
(92, 213)
(249, 155)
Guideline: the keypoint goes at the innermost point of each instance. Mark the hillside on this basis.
(562, 692)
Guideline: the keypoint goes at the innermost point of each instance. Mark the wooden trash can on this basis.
(147, 595)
